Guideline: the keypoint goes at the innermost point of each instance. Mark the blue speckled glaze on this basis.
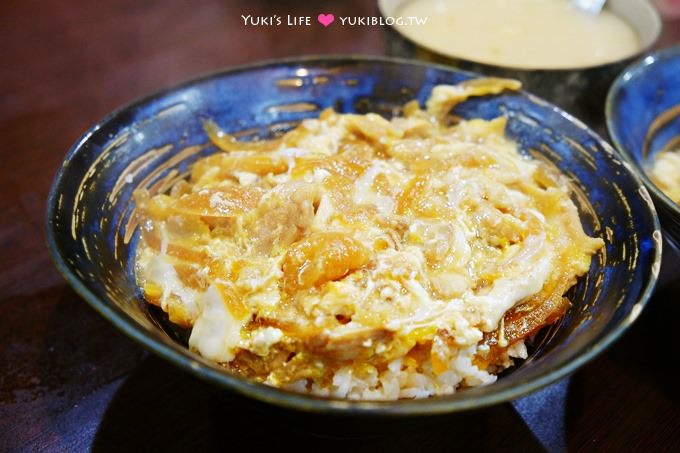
(92, 240)
(643, 92)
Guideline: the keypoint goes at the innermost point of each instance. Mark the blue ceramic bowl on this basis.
(643, 117)
(153, 141)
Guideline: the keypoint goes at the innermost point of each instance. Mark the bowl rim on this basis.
(203, 369)
(632, 71)
(654, 13)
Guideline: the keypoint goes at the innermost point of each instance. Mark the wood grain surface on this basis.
(71, 382)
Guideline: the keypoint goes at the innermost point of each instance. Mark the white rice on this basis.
(397, 381)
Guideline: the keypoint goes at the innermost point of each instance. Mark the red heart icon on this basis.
(325, 19)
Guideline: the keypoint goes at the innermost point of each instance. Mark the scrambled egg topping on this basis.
(353, 240)
(666, 173)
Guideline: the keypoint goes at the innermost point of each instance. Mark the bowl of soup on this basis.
(558, 52)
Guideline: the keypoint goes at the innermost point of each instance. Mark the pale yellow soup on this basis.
(520, 33)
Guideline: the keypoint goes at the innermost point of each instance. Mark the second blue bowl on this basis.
(643, 117)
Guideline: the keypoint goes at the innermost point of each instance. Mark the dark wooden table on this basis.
(70, 381)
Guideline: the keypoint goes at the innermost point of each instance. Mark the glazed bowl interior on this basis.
(643, 118)
(152, 142)
(579, 90)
